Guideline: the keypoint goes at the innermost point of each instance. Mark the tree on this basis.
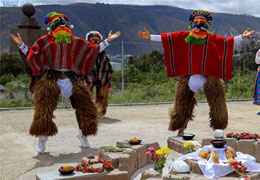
(11, 64)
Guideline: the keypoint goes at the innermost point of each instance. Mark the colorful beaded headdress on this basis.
(59, 27)
(53, 16)
(202, 13)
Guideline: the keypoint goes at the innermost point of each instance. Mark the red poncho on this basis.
(78, 56)
(214, 58)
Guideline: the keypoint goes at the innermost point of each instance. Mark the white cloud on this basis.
(251, 7)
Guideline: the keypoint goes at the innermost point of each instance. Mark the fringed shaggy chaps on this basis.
(85, 109)
(102, 100)
(45, 99)
(183, 107)
(185, 103)
(215, 93)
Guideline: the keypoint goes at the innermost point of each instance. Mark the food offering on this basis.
(238, 167)
(230, 153)
(204, 154)
(66, 169)
(94, 164)
(243, 135)
(214, 156)
(135, 141)
(189, 146)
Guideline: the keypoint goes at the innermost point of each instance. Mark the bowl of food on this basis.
(66, 170)
(188, 137)
(218, 143)
(135, 141)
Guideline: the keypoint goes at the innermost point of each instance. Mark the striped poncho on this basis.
(77, 56)
(214, 58)
(101, 74)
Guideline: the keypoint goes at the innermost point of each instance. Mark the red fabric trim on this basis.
(167, 53)
(90, 58)
(79, 56)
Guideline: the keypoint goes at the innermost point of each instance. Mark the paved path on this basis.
(17, 155)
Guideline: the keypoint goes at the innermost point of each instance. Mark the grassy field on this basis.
(145, 81)
(150, 89)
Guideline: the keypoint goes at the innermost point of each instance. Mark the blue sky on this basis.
(251, 7)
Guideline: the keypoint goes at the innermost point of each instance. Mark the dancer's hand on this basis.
(248, 34)
(112, 36)
(145, 35)
(17, 39)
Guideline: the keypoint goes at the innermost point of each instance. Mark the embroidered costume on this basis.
(58, 62)
(200, 59)
(213, 58)
(99, 79)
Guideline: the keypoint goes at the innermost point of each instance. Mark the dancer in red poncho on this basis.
(99, 79)
(200, 59)
(58, 62)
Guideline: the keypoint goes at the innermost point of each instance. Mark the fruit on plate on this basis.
(243, 135)
(107, 165)
(214, 157)
(230, 153)
(94, 165)
(238, 167)
(66, 169)
(204, 154)
(135, 141)
(84, 161)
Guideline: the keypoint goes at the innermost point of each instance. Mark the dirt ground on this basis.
(18, 159)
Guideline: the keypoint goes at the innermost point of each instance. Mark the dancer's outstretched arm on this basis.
(146, 35)
(238, 40)
(111, 37)
(17, 39)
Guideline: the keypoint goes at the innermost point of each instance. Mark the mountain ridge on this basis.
(129, 19)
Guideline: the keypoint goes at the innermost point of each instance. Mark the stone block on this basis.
(246, 146)
(129, 164)
(154, 178)
(176, 144)
(232, 142)
(206, 141)
(150, 174)
(115, 157)
(142, 159)
(113, 175)
(117, 175)
(124, 161)
(177, 177)
(131, 159)
(255, 176)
